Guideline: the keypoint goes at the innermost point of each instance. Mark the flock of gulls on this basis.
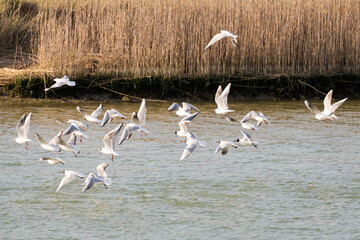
(77, 129)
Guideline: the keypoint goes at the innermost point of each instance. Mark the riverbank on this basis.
(106, 88)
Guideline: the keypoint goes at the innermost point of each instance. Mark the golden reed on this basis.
(167, 37)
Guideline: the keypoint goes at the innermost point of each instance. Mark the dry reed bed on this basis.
(168, 37)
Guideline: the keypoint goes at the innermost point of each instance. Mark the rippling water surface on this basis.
(302, 182)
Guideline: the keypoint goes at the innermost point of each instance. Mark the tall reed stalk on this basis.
(168, 37)
(16, 21)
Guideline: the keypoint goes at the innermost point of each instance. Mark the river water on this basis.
(301, 182)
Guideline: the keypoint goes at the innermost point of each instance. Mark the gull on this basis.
(93, 180)
(110, 115)
(183, 111)
(69, 176)
(52, 161)
(246, 140)
(191, 143)
(77, 130)
(61, 82)
(101, 169)
(139, 117)
(243, 122)
(93, 117)
(224, 147)
(221, 100)
(72, 142)
(69, 146)
(99, 178)
(259, 117)
(109, 142)
(129, 129)
(329, 109)
(52, 145)
(81, 125)
(22, 129)
(184, 123)
(220, 36)
(138, 120)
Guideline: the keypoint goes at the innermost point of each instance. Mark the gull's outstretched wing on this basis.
(188, 106)
(40, 139)
(141, 114)
(249, 116)
(82, 111)
(174, 107)
(55, 140)
(216, 38)
(218, 100)
(337, 104)
(23, 126)
(327, 103)
(69, 176)
(190, 148)
(311, 107)
(247, 136)
(97, 112)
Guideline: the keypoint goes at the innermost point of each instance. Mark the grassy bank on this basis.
(275, 87)
(165, 39)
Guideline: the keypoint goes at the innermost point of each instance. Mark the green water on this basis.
(301, 182)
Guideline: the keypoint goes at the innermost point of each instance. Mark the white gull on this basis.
(22, 129)
(61, 82)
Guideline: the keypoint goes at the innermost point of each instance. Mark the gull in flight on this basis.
(69, 146)
(81, 125)
(110, 115)
(138, 120)
(72, 142)
(183, 111)
(99, 178)
(259, 117)
(93, 180)
(246, 140)
(52, 161)
(109, 142)
(22, 129)
(61, 82)
(52, 145)
(184, 123)
(101, 169)
(191, 143)
(222, 35)
(129, 129)
(93, 117)
(69, 176)
(139, 117)
(221, 100)
(244, 122)
(224, 147)
(329, 109)
(77, 130)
